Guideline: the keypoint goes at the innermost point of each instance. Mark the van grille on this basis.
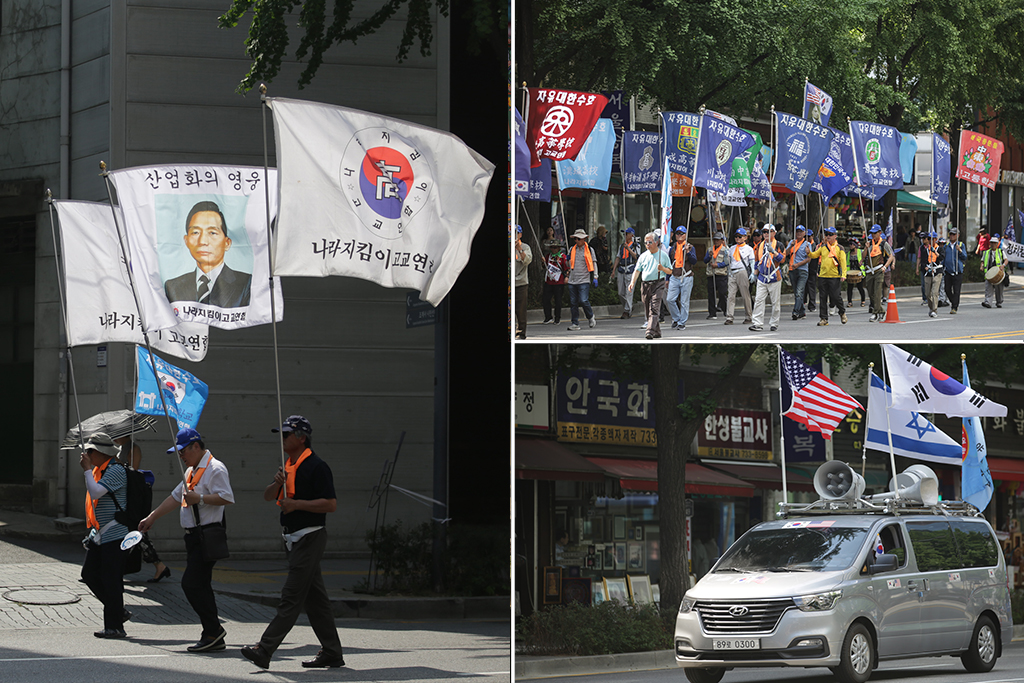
(762, 616)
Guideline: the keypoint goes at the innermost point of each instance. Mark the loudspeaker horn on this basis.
(836, 480)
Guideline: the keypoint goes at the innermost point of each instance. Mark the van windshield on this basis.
(794, 549)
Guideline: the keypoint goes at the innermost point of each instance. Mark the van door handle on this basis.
(911, 586)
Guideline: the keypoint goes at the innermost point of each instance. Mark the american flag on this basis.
(814, 94)
(817, 401)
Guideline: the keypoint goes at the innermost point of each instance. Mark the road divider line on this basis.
(54, 659)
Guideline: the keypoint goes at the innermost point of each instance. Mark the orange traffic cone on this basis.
(891, 314)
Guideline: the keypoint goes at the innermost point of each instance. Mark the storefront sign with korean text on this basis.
(739, 434)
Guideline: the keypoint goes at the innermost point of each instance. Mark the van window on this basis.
(975, 542)
(817, 548)
(892, 542)
(933, 544)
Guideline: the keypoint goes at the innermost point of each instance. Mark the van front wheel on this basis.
(981, 654)
(704, 675)
(857, 656)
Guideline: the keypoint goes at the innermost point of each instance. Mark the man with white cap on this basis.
(582, 274)
(769, 279)
(932, 257)
(741, 274)
(106, 489)
(200, 508)
(991, 258)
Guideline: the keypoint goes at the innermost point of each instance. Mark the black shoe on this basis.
(257, 655)
(111, 633)
(324, 660)
(712, 317)
(999, 305)
(165, 574)
(208, 644)
(774, 328)
(126, 616)
(755, 328)
(801, 316)
(649, 335)
(675, 326)
(986, 304)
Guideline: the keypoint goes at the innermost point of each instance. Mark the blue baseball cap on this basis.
(295, 423)
(741, 231)
(681, 228)
(994, 236)
(631, 230)
(519, 229)
(185, 437)
(875, 228)
(829, 230)
(799, 228)
(933, 234)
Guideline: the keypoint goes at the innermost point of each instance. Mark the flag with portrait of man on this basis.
(197, 236)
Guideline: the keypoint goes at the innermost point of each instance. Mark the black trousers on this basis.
(304, 590)
(830, 293)
(103, 573)
(953, 283)
(197, 584)
(718, 289)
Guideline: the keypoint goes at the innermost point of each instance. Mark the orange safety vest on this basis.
(876, 248)
(626, 253)
(288, 491)
(90, 504)
(933, 254)
(792, 253)
(680, 254)
(191, 483)
(760, 249)
(586, 256)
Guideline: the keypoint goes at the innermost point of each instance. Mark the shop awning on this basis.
(642, 475)
(905, 200)
(548, 460)
(766, 476)
(780, 188)
(1006, 469)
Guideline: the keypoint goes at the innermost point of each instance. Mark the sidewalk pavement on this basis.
(528, 667)
(261, 580)
(535, 316)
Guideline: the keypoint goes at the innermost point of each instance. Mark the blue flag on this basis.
(539, 185)
(941, 152)
(865, 191)
(975, 479)
(592, 167)
(908, 150)
(836, 170)
(522, 167)
(617, 111)
(760, 187)
(184, 393)
(803, 146)
(681, 133)
(817, 104)
(720, 143)
(666, 203)
(641, 161)
(876, 154)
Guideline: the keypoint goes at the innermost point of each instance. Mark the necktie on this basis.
(204, 287)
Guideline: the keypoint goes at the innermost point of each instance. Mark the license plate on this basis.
(737, 644)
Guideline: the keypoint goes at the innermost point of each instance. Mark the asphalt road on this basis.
(972, 321)
(54, 642)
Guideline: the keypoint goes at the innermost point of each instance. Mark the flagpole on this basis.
(867, 409)
(142, 322)
(785, 493)
(888, 427)
(771, 194)
(270, 259)
(67, 328)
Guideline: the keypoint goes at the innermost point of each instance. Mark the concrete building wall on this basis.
(154, 83)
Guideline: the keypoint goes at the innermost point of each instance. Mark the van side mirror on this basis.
(885, 562)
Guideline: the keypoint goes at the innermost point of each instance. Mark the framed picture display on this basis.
(640, 589)
(635, 556)
(638, 533)
(598, 558)
(616, 589)
(656, 593)
(620, 556)
(552, 585)
(576, 590)
(609, 556)
(619, 528)
(599, 594)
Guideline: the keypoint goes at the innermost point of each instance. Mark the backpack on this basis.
(138, 496)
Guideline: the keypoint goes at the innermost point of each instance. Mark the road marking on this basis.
(54, 659)
(485, 673)
(993, 335)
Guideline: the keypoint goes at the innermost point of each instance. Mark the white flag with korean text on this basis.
(374, 198)
(918, 386)
(100, 305)
(197, 235)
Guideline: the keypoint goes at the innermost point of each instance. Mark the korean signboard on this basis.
(739, 434)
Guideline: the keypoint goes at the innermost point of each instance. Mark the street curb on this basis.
(548, 667)
(372, 607)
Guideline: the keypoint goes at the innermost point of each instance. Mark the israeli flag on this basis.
(975, 479)
(913, 435)
(720, 143)
(876, 154)
(592, 167)
(803, 146)
(836, 172)
(184, 394)
(941, 154)
(682, 130)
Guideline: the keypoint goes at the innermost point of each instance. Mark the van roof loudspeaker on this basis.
(918, 483)
(836, 480)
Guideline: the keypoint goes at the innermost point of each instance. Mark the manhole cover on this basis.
(41, 596)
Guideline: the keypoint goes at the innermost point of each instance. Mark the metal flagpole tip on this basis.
(49, 196)
(963, 356)
(263, 88)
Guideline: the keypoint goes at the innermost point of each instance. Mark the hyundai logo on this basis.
(738, 611)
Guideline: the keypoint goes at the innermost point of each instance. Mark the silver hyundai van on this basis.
(849, 581)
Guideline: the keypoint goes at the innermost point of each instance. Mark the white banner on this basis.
(374, 198)
(100, 304)
(198, 240)
(1014, 251)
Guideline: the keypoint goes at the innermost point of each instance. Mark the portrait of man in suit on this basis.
(212, 282)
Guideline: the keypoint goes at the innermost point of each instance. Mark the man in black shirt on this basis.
(304, 489)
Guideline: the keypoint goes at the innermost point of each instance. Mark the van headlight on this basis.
(686, 605)
(818, 602)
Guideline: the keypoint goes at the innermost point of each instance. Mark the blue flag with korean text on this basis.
(184, 394)
(617, 111)
(876, 154)
(817, 104)
(592, 167)
(941, 154)
(760, 188)
(866, 191)
(720, 143)
(836, 170)
(641, 161)
(908, 151)
(666, 202)
(803, 146)
(522, 150)
(539, 186)
(681, 132)
(975, 479)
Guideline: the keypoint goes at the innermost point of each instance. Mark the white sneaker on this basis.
(592, 321)
(573, 327)
(933, 314)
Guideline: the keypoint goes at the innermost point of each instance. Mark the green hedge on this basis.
(581, 630)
